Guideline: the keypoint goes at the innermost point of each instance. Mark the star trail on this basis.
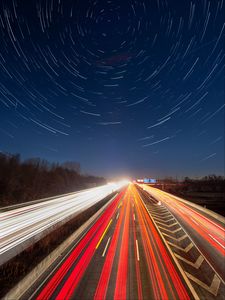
(123, 87)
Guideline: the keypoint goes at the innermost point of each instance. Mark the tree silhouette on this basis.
(22, 181)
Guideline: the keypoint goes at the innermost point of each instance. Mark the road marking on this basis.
(103, 234)
(168, 226)
(171, 231)
(117, 215)
(195, 222)
(217, 280)
(120, 204)
(196, 265)
(176, 239)
(80, 233)
(134, 217)
(216, 241)
(137, 249)
(103, 254)
(195, 295)
(161, 214)
(159, 210)
(164, 221)
(188, 248)
(213, 288)
(191, 247)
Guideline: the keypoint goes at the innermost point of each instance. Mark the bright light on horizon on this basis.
(119, 184)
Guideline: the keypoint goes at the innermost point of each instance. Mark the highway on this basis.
(205, 228)
(124, 255)
(23, 225)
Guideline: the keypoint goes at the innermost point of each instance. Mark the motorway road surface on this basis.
(126, 254)
(207, 233)
(24, 225)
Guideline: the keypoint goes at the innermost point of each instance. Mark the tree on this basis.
(72, 165)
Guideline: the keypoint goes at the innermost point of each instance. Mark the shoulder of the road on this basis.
(203, 210)
(20, 289)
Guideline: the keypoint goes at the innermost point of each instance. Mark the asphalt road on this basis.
(195, 237)
(122, 256)
(138, 248)
(207, 232)
(23, 225)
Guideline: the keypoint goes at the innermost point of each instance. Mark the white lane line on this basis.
(134, 217)
(107, 244)
(138, 257)
(194, 221)
(117, 215)
(216, 241)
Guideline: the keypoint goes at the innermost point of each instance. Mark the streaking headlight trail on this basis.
(23, 226)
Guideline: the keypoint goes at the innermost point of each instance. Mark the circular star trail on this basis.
(121, 86)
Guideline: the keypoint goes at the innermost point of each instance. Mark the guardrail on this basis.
(23, 226)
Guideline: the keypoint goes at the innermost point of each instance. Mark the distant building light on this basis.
(146, 180)
(140, 180)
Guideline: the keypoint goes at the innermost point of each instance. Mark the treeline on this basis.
(210, 183)
(206, 184)
(22, 181)
(208, 191)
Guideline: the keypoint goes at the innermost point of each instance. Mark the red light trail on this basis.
(122, 256)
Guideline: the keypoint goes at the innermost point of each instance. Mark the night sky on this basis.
(124, 87)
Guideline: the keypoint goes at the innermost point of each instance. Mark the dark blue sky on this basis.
(123, 87)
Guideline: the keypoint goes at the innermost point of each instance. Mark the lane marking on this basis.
(77, 236)
(117, 215)
(103, 234)
(120, 204)
(193, 207)
(156, 223)
(163, 216)
(197, 263)
(176, 239)
(195, 295)
(171, 231)
(103, 254)
(216, 241)
(137, 249)
(194, 221)
(162, 219)
(134, 217)
(168, 226)
(186, 250)
(213, 288)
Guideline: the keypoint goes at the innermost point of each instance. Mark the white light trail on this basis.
(23, 226)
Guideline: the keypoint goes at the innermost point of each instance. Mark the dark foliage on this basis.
(210, 183)
(22, 181)
(208, 191)
(206, 184)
